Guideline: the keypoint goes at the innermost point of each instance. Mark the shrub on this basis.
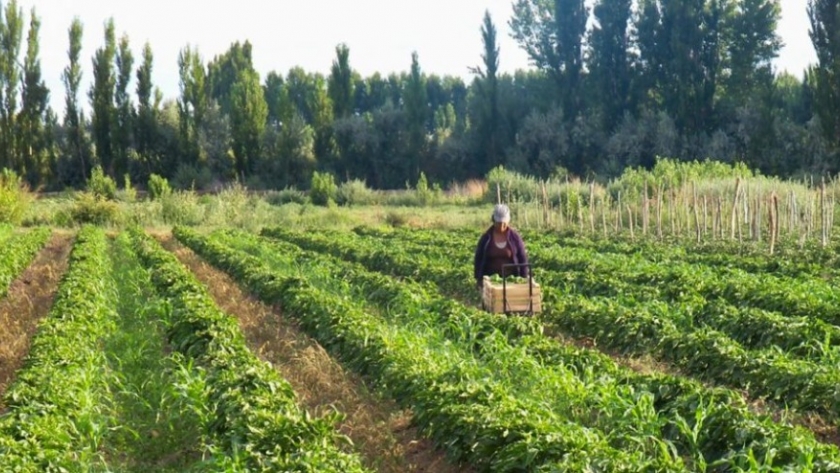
(286, 196)
(91, 208)
(101, 186)
(182, 208)
(15, 197)
(355, 192)
(396, 219)
(158, 187)
(323, 190)
(129, 193)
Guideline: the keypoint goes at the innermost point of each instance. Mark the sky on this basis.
(381, 35)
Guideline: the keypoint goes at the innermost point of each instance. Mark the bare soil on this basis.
(379, 429)
(29, 300)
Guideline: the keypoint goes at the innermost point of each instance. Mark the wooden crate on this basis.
(519, 297)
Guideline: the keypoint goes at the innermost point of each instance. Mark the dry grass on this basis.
(29, 299)
(380, 430)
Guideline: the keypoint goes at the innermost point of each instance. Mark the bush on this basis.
(15, 197)
(158, 187)
(396, 219)
(182, 208)
(286, 196)
(426, 195)
(355, 192)
(323, 190)
(129, 193)
(101, 186)
(91, 208)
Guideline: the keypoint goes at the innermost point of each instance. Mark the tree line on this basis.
(613, 86)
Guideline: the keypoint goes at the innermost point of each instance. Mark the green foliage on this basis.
(396, 219)
(101, 186)
(158, 187)
(671, 173)
(323, 190)
(128, 193)
(355, 192)
(426, 195)
(15, 197)
(190, 177)
(89, 208)
(182, 208)
(288, 195)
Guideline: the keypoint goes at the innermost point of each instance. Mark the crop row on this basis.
(256, 416)
(593, 274)
(52, 422)
(625, 324)
(19, 250)
(727, 424)
(794, 262)
(456, 400)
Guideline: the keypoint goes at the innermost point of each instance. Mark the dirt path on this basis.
(29, 299)
(379, 429)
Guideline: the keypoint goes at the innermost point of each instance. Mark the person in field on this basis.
(500, 245)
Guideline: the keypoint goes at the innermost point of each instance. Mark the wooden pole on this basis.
(734, 218)
(645, 210)
(823, 222)
(592, 207)
(604, 205)
(659, 212)
(545, 204)
(630, 218)
(771, 212)
(696, 210)
(705, 216)
(618, 217)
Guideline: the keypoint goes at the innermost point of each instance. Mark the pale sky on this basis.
(381, 35)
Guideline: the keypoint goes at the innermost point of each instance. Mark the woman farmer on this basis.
(498, 246)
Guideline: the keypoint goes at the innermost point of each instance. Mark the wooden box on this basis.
(519, 297)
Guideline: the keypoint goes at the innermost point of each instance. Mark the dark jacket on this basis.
(516, 245)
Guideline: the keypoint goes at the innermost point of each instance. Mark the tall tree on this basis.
(76, 167)
(752, 45)
(146, 123)
(680, 44)
(223, 72)
(340, 84)
(32, 119)
(609, 60)
(551, 32)
(249, 113)
(417, 114)
(486, 88)
(124, 124)
(11, 36)
(824, 16)
(193, 103)
(280, 107)
(102, 99)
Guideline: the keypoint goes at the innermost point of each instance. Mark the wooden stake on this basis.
(734, 219)
(545, 204)
(696, 210)
(592, 207)
(772, 212)
(659, 213)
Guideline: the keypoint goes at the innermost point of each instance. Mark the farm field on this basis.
(365, 350)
